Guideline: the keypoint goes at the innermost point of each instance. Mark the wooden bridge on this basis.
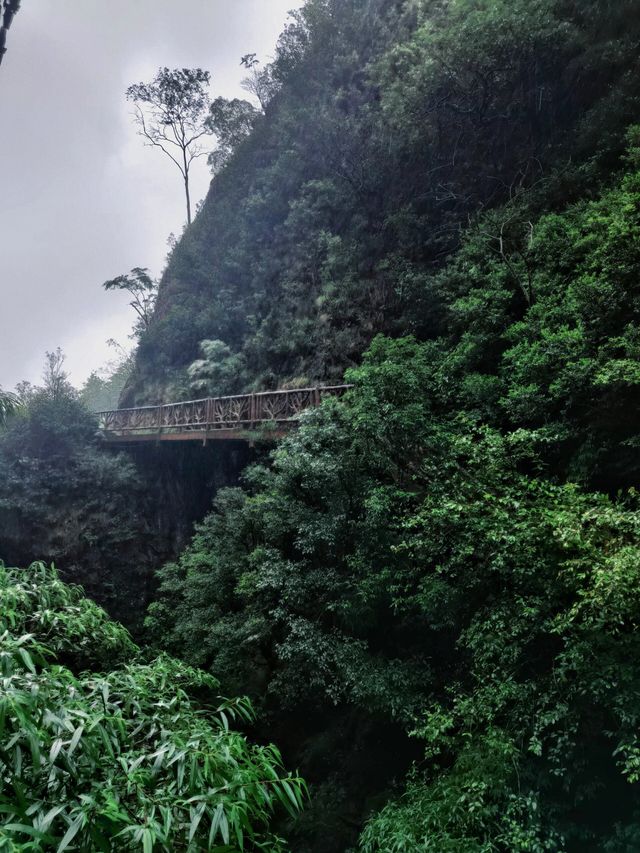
(269, 414)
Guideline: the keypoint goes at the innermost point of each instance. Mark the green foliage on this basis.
(71, 627)
(435, 578)
(544, 329)
(231, 121)
(430, 590)
(386, 126)
(398, 565)
(66, 499)
(127, 760)
(217, 372)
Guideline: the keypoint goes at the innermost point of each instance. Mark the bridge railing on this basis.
(238, 412)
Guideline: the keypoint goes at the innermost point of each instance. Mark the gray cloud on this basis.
(81, 199)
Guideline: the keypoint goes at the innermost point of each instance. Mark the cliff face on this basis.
(181, 481)
(389, 128)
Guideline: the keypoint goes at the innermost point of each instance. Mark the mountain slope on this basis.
(391, 124)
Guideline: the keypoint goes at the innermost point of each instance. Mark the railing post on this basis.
(253, 414)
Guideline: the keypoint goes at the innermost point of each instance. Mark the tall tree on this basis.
(170, 113)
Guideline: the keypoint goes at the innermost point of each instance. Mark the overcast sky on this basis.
(81, 199)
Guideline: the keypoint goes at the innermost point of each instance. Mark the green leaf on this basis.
(75, 740)
(71, 832)
(147, 841)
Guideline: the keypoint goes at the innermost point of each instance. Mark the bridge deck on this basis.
(238, 417)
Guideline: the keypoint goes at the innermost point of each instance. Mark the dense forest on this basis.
(428, 593)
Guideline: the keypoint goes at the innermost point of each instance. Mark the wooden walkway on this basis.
(242, 417)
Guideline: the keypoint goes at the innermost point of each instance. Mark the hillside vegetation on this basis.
(430, 590)
(389, 125)
(128, 758)
(65, 499)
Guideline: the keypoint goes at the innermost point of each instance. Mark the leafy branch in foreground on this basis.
(126, 760)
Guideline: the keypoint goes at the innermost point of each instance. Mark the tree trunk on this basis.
(185, 174)
(186, 191)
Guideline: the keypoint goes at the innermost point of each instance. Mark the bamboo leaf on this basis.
(71, 832)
